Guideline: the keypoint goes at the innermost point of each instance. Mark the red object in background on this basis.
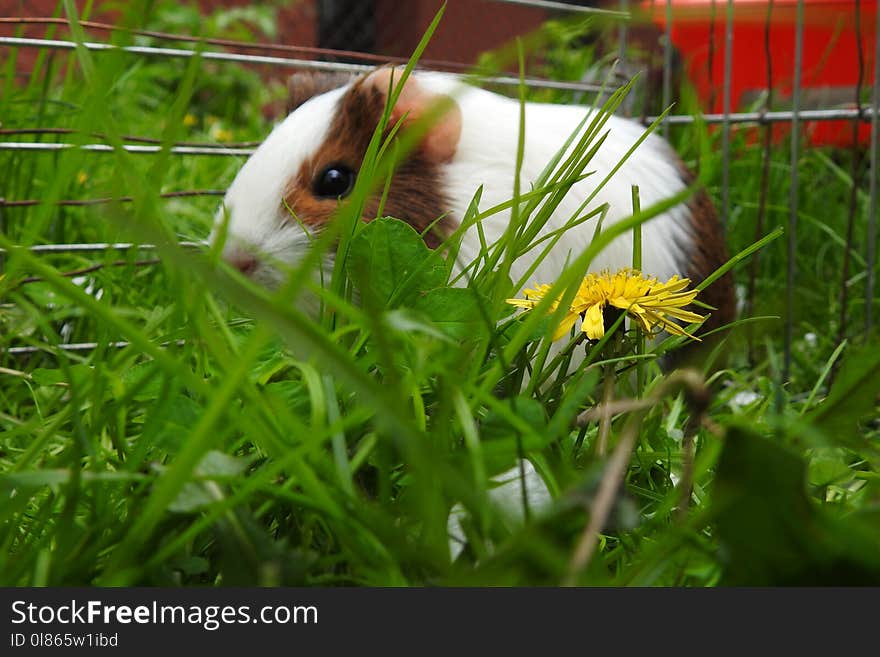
(830, 63)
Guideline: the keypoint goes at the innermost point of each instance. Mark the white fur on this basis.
(486, 155)
(258, 221)
(506, 496)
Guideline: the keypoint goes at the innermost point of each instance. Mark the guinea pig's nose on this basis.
(243, 261)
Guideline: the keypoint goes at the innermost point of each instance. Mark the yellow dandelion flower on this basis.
(189, 120)
(532, 297)
(653, 305)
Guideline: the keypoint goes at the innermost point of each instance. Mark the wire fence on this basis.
(860, 111)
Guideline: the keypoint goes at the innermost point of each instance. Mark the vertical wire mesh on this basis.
(874, 176)
(856, 152)
(766, 155)
(710, 58)
(667, 64)
(727, 100)
(791, 268)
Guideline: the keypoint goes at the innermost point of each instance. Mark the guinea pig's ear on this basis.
(304, 85)
(415, 102)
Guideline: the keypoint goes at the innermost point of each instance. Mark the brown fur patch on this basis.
(415, 194)
(303, 85)
(707, 252)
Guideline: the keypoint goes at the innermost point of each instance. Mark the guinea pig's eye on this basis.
(334, 181)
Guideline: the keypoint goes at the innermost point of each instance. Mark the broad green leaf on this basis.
(453, 310)
(825, 471)
(388, 263)
(408, 322)
(853, 395)
(771, 533)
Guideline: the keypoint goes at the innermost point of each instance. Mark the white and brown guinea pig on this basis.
(311, 160)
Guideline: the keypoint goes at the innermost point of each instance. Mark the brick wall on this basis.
(468, 28)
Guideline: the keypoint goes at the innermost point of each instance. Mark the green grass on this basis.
(237, 441)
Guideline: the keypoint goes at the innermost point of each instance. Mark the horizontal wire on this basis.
(73, 346)
(864, 113)
(90, 247)
(58, 44)
(77, 346)
(232, 43)
(564, 6)
(128, 148)
(134, 138)
(275, 61)
(21, 203)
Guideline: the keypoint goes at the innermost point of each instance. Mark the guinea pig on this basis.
(292, 185)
